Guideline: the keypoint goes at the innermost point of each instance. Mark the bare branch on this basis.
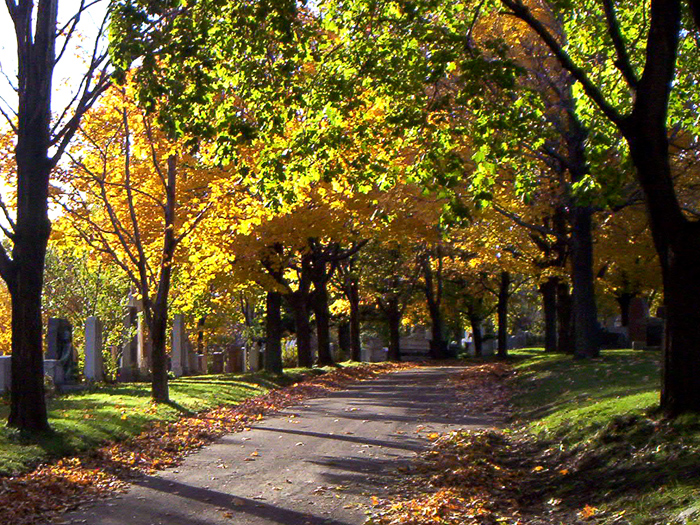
(521, 222)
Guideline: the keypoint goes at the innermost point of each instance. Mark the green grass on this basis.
(598, 420)
(89, 418)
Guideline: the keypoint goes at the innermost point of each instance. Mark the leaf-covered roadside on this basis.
(593, 452)
(54, 488)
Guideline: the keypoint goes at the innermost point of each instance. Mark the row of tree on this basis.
(276, 146)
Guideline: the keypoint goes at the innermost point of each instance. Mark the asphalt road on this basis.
(317, 463)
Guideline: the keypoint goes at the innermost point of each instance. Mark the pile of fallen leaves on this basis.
(466, 477)
(54, 488)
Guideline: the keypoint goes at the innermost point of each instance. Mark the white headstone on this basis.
(94, 367)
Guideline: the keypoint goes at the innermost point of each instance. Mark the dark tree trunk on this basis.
(624, 300)
(355, 340)
(24, 273)
(158, 334)
(273, 333)
(393, 318)
(28, 406)
(157, 314)
(564, 345)
(344, 339)
(502, 308)
(548, 289)
(477, 337)
(201, 349)
(586, 337)
(438, 346)
(323, 332)
(303, 328)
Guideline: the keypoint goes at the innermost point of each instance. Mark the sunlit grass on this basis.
(601, 414)
(85, 419)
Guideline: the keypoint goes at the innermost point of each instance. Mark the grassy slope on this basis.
(85, 419)
(595, 420)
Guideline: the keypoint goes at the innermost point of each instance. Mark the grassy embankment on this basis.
(596, 422)
(86, 419)
(586, 444)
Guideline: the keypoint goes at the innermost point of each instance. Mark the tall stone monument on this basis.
(94, 366)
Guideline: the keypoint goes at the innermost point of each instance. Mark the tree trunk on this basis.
(273, 333)
(586, 336)
(393, 318)
(355, 334)
(624, 300)
(344, 339)
(477, 337)
(159, 361)
(502, 308)
(303, 328)
(548, 289)
(438, 346)
(564, 345)
(158, 312)
(28, 406)
(201, 349)
(24, 273)
(323, 332)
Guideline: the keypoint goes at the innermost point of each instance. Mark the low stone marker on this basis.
(94, 365)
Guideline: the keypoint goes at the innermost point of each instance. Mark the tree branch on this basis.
(623, 60)
(521, 11)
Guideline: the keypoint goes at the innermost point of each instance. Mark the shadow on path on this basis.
(234, 504)
(410, 444)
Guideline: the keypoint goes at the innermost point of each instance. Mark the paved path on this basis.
(318, 463)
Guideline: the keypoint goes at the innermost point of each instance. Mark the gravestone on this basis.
(234, 359)
(143, 347)
(59, 343)
(54, 369)
(252, 357)
(638, 320)
(178, 357)
(94, 366)
(5, 373)
(217, 363)
(128, 370)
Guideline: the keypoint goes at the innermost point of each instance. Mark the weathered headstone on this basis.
(638, 319)
(143, 347)
(59, 343)
(54, 369)
(234, 358)
(252, 357)
(94, 366)
(5, 373)
(217, 363)
(178, 357)
(128, 366)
